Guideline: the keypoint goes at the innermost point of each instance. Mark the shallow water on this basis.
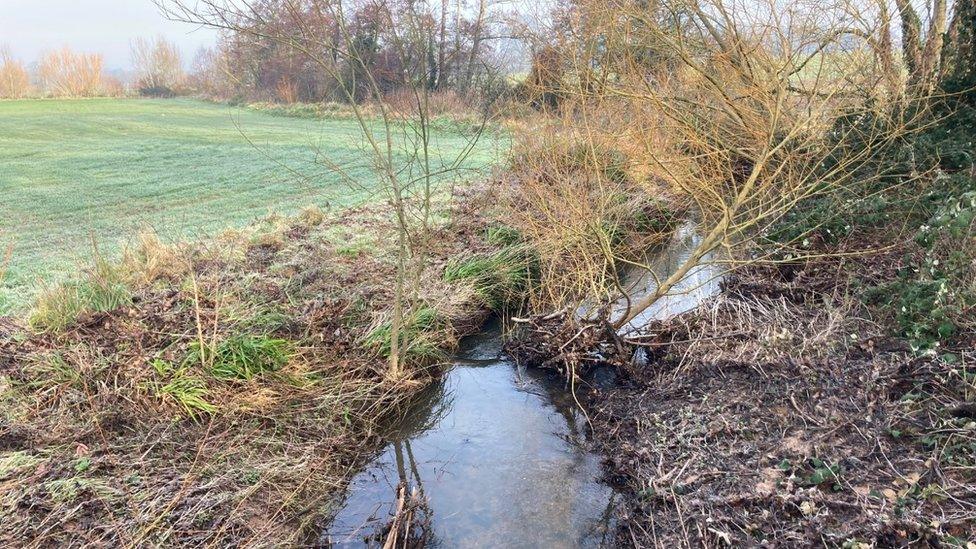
(498, 453)
(699, 284)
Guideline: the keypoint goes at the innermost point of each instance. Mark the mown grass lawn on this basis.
(74, 170)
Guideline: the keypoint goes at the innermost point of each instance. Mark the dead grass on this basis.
(227, 399)
(779, 413)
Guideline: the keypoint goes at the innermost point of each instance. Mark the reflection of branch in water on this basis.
(410, 525)
(418, 415)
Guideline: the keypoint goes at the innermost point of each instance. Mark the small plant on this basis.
(814, 472)
(240, 357)
(189, 392)
(57, 369)
(82, 464)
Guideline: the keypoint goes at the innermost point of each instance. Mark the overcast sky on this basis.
(30, 27)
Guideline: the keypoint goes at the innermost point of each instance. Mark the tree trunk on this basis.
(442, 47)
(959, 56)
(932, 53)
(911, 37)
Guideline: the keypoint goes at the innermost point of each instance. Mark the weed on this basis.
(502, 235)
(500, 278)
(82, 464)
(190, 393)
(815, 472)
(68, 490)
(13, 462)
(240, 357)
(350, 251)
(58, 370)
(418, 335)
(311, 216)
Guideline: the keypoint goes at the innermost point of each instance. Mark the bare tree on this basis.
(14, 79)
(728, 109)
(399, 142)
(64, 73)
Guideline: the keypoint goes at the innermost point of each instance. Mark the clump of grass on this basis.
(502, 235)
(67, 490)
(100, 289)
(500, 278)
(241, 357)
(189, 392)
(150, 259)
(13, 462)
(421, 335)
(311, 216)
(57, 369)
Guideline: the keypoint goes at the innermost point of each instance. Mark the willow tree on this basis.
(729, 109)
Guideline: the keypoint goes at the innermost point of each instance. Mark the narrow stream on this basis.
(500, 451)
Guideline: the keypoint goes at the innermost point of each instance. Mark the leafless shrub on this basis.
(64, 73)
(159, 65)
(14, 79)
(730, 108)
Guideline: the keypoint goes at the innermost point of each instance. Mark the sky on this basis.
(31, 27)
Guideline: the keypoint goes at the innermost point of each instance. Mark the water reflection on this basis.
(501, 463)
(498, 451)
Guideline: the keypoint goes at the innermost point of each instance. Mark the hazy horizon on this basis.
(31, 27)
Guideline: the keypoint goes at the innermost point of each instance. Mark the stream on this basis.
(500, 451)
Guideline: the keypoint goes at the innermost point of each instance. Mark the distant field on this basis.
(110, 168)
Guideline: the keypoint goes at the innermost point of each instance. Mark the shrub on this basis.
(14, 80)
(64, 73)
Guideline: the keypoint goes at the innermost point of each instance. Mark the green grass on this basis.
(241, 357)
(101, 288)
(108, 168)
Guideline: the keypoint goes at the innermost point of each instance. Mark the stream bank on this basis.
(498, 453)
(775, 415)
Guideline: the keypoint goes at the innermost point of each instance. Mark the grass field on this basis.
(75, 169)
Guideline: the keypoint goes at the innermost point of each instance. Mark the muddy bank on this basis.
(778, 414)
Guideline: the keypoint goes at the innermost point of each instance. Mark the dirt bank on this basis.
(779, 414)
